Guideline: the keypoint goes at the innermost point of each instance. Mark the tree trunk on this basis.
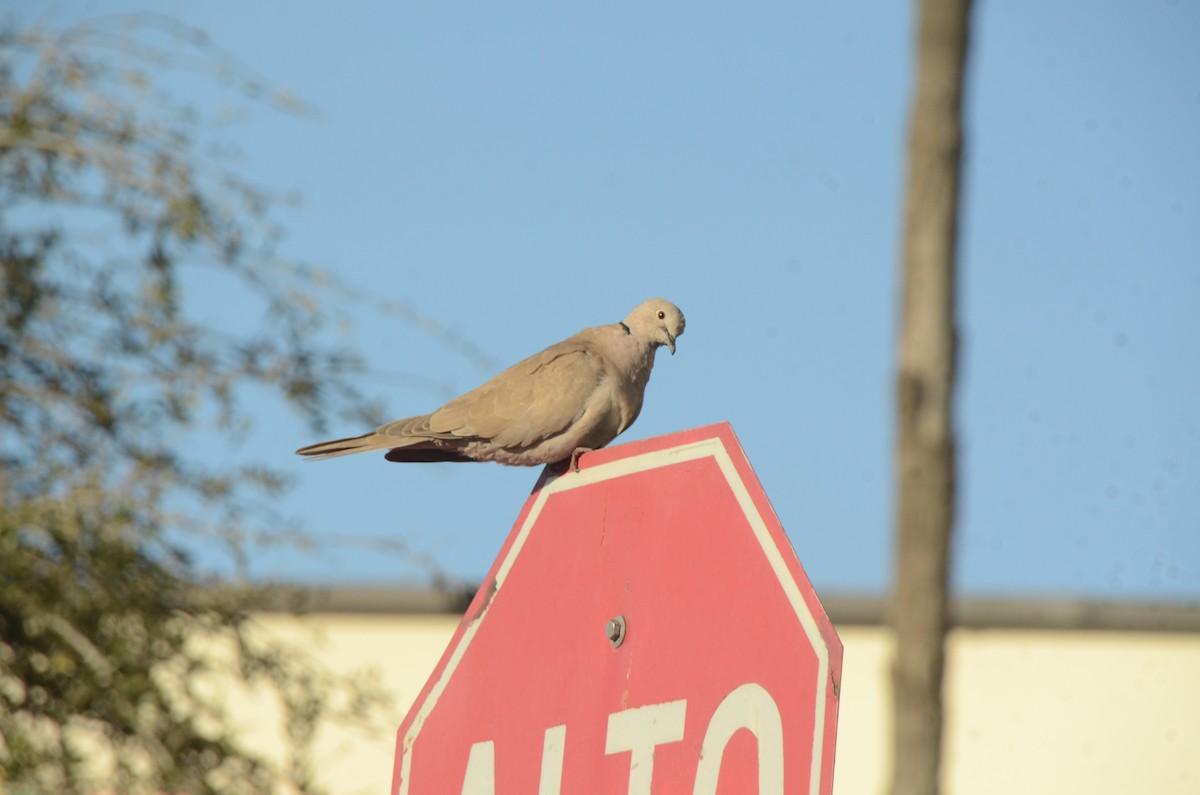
(924, 392)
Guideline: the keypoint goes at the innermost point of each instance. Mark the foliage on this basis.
(112, 196)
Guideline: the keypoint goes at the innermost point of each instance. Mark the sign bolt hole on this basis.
(615, 630)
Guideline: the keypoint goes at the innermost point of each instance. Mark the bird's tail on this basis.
(351, 444)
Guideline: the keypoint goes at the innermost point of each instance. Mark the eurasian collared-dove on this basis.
(573, 397)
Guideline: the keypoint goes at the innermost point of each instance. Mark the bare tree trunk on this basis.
(925, 387)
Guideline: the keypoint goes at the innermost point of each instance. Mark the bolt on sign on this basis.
(646, 629)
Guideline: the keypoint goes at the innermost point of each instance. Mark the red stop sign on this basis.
(646, 629)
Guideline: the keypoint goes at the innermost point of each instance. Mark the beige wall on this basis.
(1039, 711)
(1031, 711)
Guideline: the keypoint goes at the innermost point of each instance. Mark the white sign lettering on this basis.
(641, 730)
(550, 782)
(747, 707)
(481, 770)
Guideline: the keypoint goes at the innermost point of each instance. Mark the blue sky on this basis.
(522, 170)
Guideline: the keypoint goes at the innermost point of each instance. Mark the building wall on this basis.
(1038, 711)
(1030, 711)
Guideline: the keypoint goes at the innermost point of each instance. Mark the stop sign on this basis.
(646, 629)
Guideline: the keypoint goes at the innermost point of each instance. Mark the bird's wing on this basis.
(533, 400)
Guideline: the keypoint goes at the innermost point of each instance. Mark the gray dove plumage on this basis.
(575, 396)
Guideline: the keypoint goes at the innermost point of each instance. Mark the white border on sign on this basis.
(715, 448)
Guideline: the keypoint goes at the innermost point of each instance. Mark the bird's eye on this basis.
(662, 315)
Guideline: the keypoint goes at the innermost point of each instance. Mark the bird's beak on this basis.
(671, 343)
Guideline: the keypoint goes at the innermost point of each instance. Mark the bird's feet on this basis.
(575, 457)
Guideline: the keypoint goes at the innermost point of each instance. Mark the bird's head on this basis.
(657, 321)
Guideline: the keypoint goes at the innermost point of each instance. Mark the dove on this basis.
(573, 397)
